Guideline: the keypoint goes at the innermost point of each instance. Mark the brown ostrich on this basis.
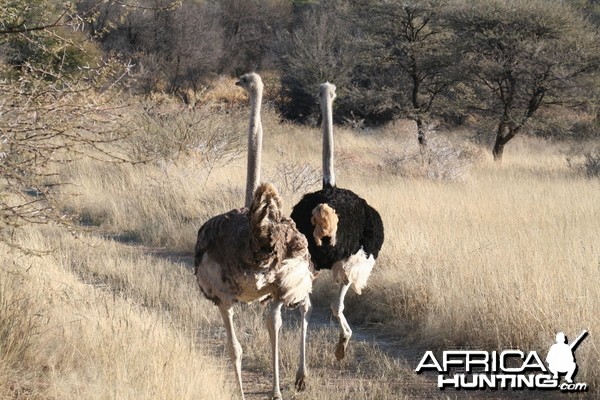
(255, 254)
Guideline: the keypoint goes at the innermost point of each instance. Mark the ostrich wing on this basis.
(372, 238)
(226, 237)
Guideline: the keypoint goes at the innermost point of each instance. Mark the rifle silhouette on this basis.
(576, 342)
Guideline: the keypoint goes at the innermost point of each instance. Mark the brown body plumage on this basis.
(245, 254)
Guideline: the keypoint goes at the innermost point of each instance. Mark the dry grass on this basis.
(102, 322)
(503, 260)
(224, 94)
(505, 257)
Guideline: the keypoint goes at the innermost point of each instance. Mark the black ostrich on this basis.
(344, 233)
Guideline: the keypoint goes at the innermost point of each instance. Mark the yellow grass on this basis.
(504, 257)
(104, 323)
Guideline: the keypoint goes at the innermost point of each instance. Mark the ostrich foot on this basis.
(340, 349)
(276, 396)
(300, 382)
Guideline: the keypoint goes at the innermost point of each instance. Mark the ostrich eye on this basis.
(243, 79)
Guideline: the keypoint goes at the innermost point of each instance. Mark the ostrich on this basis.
(344, 233)
(255, 253)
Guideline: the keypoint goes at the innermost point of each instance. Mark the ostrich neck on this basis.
(254, 146)
(327, 126)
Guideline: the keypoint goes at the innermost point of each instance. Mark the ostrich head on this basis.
(327, 90)
(251, 82)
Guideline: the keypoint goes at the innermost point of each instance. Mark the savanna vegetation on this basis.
(121, 132)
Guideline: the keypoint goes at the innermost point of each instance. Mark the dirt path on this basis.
(422, 386)
(257, 383)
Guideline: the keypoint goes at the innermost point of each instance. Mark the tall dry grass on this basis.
(96, 321)
(503, 260)
(505, 256)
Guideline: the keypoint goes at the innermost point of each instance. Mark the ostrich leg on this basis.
(302, 373)
(273, 325)
(235, 349)
(345, 332)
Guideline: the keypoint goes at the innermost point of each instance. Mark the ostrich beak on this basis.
(238, 83)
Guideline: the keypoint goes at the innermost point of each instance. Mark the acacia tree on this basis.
(174, 45)
(520, 55)
(409, 54)
(51, 111)
(250, 29)
(316, 49)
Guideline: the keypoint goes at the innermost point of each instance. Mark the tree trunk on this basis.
(501, 140)
(421, 132)
(498, 150)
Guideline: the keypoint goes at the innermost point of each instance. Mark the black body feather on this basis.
(359, 226)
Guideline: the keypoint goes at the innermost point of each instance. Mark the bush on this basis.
(293, 178)
(169, 131)
(442, 160)
(316, 50)
(55, 107)
(591, 165)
